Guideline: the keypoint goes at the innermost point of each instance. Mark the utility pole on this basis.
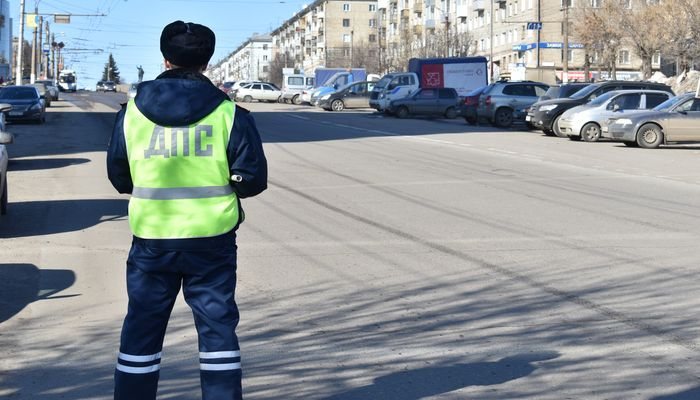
(447, 26)
(565, 71)
(32, 73)
(20, 44)
(491, 44)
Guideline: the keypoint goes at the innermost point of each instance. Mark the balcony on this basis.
(393, 18)
(479, 5)
(417, 30)
(418, 5)
(405, 13)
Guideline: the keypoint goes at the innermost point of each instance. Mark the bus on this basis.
(67, 81)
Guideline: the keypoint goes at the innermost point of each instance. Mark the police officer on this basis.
(176, 148)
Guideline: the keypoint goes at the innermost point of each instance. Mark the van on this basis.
(393, 86)
(293, 85)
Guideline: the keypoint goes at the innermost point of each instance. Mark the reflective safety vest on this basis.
(181, 176)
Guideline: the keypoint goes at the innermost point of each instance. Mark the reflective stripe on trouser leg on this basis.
(211, 294)
(152, 293)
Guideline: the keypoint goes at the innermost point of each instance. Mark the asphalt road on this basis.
(388, 260)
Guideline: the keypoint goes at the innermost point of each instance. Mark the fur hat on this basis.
(186, 44)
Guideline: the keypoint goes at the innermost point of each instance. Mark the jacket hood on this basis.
(178, 97)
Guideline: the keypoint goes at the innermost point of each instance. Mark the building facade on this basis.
(519, 36)
(6, 43)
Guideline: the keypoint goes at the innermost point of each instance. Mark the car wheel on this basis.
(247, 99)
(3, 198)
(337, 105)
(451, 113)
(402, 112)
(471, 120)
(555, 127)
(590, 132)
(649, 136)
(574, 138)
(503, 117)
(296, 99)
(548, 132)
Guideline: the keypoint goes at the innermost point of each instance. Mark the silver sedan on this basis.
(675, 121)
(586, 121)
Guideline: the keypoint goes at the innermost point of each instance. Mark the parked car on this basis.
(545, 114)
(227, 86)
(505, 102)
(293, 86)
(260, 91)
(471, 101)
(563, 90)
(585, 121)
(675, 121)
(53, 89)
(26, 102)
(428, 101)
(44, 92)
(5, 139)
(354, 95)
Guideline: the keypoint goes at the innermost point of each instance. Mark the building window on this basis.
(623, 57)
(596, 3)
(346, 22)
(264, 58)
(346, 38)
(626, 4)
(264, 68)
(569, 55)
(346, 6)
(372, 7)
(373, 53)
(372, 23)
(656, 59)
(346, 52)
(372, 38)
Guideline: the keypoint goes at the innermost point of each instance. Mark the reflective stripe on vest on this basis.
(181, 176)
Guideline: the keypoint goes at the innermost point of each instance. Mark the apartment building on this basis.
(516, 34)
(382, 35)
(250, 61)
(329, 33)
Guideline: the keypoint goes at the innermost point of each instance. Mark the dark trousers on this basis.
(208, 280)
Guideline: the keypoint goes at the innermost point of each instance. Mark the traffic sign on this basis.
(534, 26)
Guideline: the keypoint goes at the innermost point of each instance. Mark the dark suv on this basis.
(428, 101)
(545, 114)
(505, 102)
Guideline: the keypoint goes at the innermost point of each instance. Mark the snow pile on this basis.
(658, 77)
(685, 82)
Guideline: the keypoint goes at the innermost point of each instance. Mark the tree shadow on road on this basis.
(33, 164)
(22, 284)
(35, 218)
(434, 380)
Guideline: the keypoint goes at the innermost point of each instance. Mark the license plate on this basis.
(527, 118)
(16, 113)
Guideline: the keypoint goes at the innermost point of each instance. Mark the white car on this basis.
(260, 91)
(588, 120)
(5, 138)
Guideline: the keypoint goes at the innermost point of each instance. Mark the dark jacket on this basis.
(181, 97)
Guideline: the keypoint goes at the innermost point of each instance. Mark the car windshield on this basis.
(18, 93)
(668, 104)
(381, 84)
(601, 99)
(583, 93)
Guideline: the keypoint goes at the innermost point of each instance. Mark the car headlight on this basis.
(326, 97)
(548, 107)
(623, 121)
(36, 106)
(382, 95)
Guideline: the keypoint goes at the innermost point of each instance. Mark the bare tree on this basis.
(681, 31)
(276, 69)
(643, 26)
(599, 31)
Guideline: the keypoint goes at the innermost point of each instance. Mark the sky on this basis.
(130, 29)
